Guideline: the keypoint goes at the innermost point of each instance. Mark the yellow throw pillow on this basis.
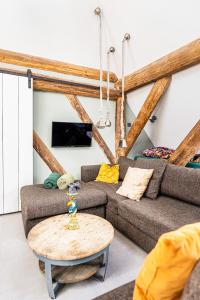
(108, 174)
(169, 265)
(135, 183)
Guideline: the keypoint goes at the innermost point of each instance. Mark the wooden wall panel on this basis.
(10, 142)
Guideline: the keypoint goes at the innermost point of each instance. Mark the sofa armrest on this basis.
(89, 173)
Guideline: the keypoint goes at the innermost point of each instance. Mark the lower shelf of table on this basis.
(75, 273)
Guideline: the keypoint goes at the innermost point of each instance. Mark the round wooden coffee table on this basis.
(75, 253)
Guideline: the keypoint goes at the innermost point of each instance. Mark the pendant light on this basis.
(100, 123)
(122, 142)
(108, 122)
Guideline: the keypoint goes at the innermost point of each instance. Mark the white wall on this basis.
(68, 30)
(50, 107)
(157, 28)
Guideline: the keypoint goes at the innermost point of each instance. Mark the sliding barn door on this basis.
(25, 134)
(16, 140)
(10, 142)
(1, 145)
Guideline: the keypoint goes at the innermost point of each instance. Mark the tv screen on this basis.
(66, 134)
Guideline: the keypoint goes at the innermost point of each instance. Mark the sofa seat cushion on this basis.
(182, 183)
(110, 189)
(38, 202)
(114, 201)
(102, 186)
(157, 217)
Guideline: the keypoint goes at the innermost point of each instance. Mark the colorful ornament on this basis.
(72, 205)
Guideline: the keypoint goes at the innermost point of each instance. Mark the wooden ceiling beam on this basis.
(157, 91)
(25, 60)
(45, 83)
(78, 90)
(75, 103)
(188, 148)
(174, 62)
(46, 155)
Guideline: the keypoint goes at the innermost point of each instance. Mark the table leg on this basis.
(49, 282)
(104, 265)
(105, 262)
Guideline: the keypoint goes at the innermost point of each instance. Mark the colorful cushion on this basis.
(108, 174)
(158, 152)
(169, 265)
(135, 183)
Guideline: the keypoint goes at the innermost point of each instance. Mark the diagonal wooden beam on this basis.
(148, 107)
(118, 123)
(176, 61)
(119, 151)
(30, 61)
(75, 103)
(46, 154)
(188, 148)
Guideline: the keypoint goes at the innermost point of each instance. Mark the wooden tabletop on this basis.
(50, 239)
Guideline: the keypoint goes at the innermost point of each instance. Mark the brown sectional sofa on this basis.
(171, 200)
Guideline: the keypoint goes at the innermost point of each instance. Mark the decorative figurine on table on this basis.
(72, 206)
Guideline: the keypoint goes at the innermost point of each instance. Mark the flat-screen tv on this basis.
(66, 134)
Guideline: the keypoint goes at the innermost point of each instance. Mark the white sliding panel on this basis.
(10, 142)
(1, 145)
(25, 134)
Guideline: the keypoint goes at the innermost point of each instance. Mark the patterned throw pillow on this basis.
(158, 152)
(108, 174)
(135, 183)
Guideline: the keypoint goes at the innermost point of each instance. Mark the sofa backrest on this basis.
(182, 183)
(158, 165)
(124, 164)
(192, 287)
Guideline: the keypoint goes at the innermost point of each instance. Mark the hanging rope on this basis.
(100, 124)
(122, 143)
(123, 98)
(108, 80)
(101, 64)
(108, 122)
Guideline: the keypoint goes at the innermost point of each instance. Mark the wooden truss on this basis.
(159, 72)
(188, 148)
(46, 154)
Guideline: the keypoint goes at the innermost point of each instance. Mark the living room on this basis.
(100, 150)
